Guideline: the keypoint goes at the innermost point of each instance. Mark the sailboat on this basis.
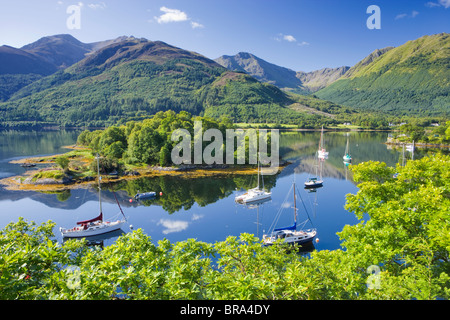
(290, 234)
(347, 157)
(315, 181)
(255, 194)
(95, 226)
(322, 153)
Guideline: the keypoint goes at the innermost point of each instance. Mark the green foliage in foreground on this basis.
(403, 235)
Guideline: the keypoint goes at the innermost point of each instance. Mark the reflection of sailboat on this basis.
(347, 157)
(99, 240)
(256, 194)
(256, 206)
(322, 153)
(290, 234)
(97, 225)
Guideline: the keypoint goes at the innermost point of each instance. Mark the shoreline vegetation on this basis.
(123, 147)
(49, 177)
(133, 150)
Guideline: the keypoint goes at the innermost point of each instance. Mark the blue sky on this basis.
(302, 35)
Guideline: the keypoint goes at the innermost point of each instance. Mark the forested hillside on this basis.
(413, 79)
(135, 78)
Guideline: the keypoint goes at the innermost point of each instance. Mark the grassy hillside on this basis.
(135, 78)
(411, 79)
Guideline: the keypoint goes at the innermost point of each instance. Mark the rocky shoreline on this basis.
(28, 180)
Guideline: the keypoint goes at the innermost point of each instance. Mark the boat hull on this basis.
(316, 184)
(254, 198)
(80, 232)
(297, 237)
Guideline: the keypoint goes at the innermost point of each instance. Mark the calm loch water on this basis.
(202, 208)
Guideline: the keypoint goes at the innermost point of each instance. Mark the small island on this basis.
(130, 151)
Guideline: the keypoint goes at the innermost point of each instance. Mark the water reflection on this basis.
(182, 193)
(202, 207)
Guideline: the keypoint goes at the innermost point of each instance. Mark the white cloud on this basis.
(414, 14)
(196, 25)
(175, 15)
(445, 3)
(289, 38)
(100, 5)
(401, 16)
(171, 15)
(432, 4)
(440, 3)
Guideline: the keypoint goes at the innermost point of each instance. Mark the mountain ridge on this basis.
(413, 78)
(284, 78)
(135, 78)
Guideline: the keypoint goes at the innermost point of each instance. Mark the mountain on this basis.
(131, 79)
(319, 79)
(412, 79)
(284, 78)
(21, 66)
(17, 61)
(61, 50)
(261, 70)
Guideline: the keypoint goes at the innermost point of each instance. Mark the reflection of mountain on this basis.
(69, 199)
(177, 192)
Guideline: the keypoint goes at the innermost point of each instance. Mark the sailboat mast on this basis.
(99, 186)
(321, 137)
(295, 208)
(258, 170)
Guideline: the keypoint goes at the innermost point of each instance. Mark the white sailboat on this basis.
(347, 157)
(255, 194)
(95, 226)
(290, 234)
(316, 181)
(322, 153)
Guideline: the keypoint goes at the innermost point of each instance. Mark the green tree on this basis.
(405, 230)
(63, 162)
(165, 156)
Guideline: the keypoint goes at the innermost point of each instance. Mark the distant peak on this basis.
(245, 55)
